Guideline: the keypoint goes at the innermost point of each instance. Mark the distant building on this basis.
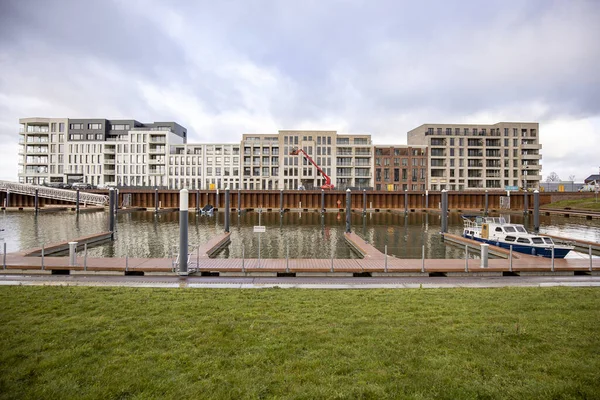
(400, 167)
(501, 156)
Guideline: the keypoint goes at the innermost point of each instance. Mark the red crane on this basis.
(328, 185)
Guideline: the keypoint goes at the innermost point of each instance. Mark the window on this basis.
(75, 126)
(498, 229)
(523, 240)
(510, 238)
(94, 126)
(61, 126)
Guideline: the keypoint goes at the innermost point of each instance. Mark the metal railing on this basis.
(53, 193)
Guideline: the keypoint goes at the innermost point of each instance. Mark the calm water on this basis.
(303, 235)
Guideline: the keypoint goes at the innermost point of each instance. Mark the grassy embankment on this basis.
(77, 342)
(589, 204)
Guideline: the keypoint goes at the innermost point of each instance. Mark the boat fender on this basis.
(533, 252)
(498, 244)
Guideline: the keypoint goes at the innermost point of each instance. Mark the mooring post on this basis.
(259, 215)
(466, 258)
(243, 258)
(332, 262)
(536, 210)
(405, 201)
(426, 199)
(552, 249)
(126, 262)
(183, 231)
(239, 207)
(36, 201)
(287, 258)
(116, 207)
(72, 254)
(589, 250)
(227, 210)
(77, 205)
(348, 197)
(322, 201)
(43, 266)
(198, 257)
(525, 203)
(364, 201)
(281, 200)
(7, 200)
(4, 256)
(111, 214)
(217, 200)
(197, 201)
(85, 256)
(484, 255)
(444, 211)
(485, 210)
(156, 200)
(510, 258)
(423, 258)
(385, 267)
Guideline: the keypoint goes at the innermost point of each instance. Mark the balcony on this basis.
(109, 150)
(531, 146)
(531, 156)
(109, 161)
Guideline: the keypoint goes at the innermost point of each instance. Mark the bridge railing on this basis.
(54, 193)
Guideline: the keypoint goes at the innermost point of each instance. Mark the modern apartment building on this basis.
(503, 156)
(400, 167)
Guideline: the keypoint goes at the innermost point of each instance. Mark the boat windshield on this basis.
(548, 240)
(519, 228)
(510, 229)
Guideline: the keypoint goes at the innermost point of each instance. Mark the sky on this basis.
(224, 68)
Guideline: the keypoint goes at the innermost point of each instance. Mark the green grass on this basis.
(579, 204)
(117, 343)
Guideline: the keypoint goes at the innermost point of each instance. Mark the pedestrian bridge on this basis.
(53, 193)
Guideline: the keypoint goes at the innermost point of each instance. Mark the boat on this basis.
(496, 231)
(207, 209)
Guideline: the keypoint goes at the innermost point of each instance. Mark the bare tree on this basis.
(552, 177)
(572, 178)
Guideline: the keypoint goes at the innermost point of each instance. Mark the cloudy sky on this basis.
(223, 68)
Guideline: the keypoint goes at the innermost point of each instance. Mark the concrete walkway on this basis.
(298, 283)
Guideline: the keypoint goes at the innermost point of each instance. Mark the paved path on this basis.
(299, 283)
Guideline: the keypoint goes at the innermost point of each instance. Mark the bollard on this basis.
(281, 200)
(217, 201)
(510, 258)
(525, 203)
(536, 211)
(364, 201)
(348, 228)
(485, 211)
(85, 256)
(444, 211)
(406, 202)
(466, 258)
(156, 200)
(423, 258)
(111, 215)
(197, 201)
(7, 200)
(226, 210)
(36, 201)
(4, 256)
(239, 207)
(427, 199)
(183, 231)
(72, 254)
(484, 255)
(590, 252)
(322, 201)
(552, 249)
(43, 266)
(77, 202)
(385, 268)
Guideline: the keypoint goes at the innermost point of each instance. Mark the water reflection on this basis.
(304, 235)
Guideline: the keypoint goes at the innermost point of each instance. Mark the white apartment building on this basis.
(504, 156)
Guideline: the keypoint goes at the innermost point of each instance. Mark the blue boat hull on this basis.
(521, 248)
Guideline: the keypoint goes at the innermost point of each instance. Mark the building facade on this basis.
(400, 167)
(502, 156)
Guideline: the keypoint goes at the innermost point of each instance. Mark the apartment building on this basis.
(400, 167)
(503, 156)
(260, 162)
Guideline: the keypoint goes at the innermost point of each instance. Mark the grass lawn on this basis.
(83, 342)
(579, 204)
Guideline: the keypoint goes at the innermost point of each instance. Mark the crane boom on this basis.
(327, 184)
